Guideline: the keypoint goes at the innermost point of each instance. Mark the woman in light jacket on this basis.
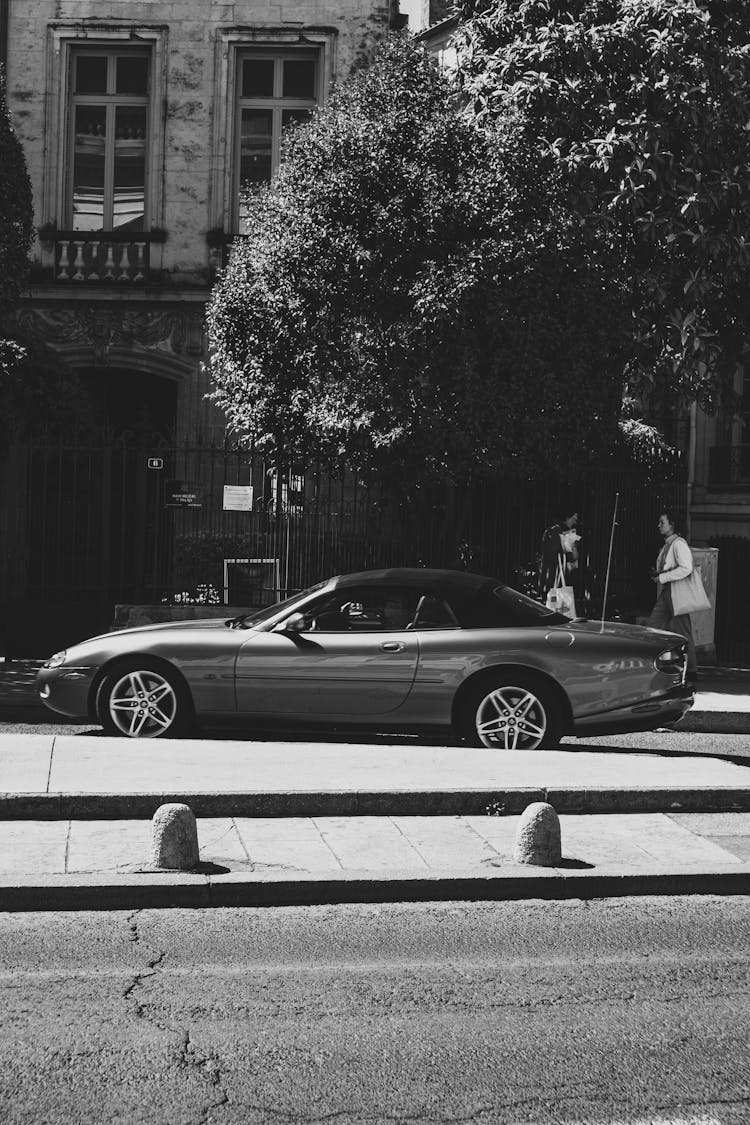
(675, 561)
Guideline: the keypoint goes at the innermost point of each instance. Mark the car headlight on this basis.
(56, 660)
(671, 661)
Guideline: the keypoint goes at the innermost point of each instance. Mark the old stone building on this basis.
(139, 120)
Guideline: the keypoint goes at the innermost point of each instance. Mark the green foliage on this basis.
(644, 107)
(15, 210)
(15, 240)
(38, 392)
(415, 293)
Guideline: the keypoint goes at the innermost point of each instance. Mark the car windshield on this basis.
(258, 616)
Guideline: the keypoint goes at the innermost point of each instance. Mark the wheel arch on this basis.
(490, 676)
(126, 660)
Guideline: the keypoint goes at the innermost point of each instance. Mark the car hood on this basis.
(620, 630)
(166, 626)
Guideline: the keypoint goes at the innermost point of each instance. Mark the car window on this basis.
(501, 607)
(433, 613)
(369, 609)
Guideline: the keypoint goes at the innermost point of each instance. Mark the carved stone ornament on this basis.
(104, 328)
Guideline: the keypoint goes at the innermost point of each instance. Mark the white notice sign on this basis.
(238, 498)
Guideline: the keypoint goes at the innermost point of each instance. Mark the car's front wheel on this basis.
(514, 714)
(143, 701)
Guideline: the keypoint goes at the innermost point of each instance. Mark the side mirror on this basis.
(296, 623)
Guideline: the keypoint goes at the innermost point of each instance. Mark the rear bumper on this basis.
(659, 712)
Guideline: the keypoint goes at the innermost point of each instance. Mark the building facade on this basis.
(140, 120)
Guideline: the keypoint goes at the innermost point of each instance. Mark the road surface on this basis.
(603, 1012)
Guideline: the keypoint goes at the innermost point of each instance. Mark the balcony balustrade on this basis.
(729, 467)
(100, 257)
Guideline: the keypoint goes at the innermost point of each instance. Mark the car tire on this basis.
(516, 712)
(143, 700)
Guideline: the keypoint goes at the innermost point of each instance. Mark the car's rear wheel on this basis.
(516, 713)
(139, 700)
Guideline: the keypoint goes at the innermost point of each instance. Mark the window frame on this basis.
(275, 104)
(232, 46)
(63, 40)
(110, 101)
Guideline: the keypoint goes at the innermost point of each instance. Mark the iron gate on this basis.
(89, 524)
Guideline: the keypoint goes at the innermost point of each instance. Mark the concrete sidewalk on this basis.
(282, 823)
(97, 865)
(93, 777)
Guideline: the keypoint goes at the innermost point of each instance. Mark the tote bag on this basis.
(688, 594)
(561, 597)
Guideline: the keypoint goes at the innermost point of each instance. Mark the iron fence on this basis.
(88, 523)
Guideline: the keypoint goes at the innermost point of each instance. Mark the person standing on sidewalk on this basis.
(674, 564)
(559, 552)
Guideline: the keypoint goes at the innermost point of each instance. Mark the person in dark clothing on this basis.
(559, 547)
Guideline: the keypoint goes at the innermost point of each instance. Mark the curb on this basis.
(457, 802)
(714, 722)
(167, 890)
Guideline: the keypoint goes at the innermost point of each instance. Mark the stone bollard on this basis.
(174, 838)
(538, 836)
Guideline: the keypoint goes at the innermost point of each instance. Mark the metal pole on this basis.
(609, 558)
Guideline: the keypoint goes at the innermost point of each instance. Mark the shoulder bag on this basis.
(688, 594)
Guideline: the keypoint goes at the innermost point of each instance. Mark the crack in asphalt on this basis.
(188, 1059)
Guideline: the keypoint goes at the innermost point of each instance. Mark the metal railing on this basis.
(93, 522)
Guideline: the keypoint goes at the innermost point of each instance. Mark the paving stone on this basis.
(369, 843)
(33, 846)
(289, 844)
(445, 842)
(108, 845)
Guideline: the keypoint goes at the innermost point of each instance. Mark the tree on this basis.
(413, 294)
(15, 210)
(15, 240)
(643, 105)
(35, 386)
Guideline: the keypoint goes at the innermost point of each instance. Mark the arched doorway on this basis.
(95, 528)
(124, 402)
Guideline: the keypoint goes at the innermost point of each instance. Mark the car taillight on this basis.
(672, 661)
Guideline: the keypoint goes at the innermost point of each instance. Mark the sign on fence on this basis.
(238, 498)
(183, 494)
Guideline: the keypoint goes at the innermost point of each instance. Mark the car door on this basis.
(353, 657)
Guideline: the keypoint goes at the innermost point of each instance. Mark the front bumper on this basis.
(66, 690)
(646, 715)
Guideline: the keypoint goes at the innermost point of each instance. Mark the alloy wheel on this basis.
(142, 704)
(511, 718)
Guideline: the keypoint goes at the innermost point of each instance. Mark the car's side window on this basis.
(364, 610)
(433, 613)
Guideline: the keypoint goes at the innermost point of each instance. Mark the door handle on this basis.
(391, 646)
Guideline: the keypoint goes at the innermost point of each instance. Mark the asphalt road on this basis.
(734, 747)
(616, 1011)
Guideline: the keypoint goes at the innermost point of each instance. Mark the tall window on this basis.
(275, 90)
(109, 143)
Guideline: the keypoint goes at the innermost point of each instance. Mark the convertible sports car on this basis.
(385, 649)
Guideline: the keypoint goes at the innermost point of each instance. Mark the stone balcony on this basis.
(101, 257)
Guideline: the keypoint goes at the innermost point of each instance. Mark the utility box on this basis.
(706, 560)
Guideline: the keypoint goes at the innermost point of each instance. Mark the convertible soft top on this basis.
(440, 580)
